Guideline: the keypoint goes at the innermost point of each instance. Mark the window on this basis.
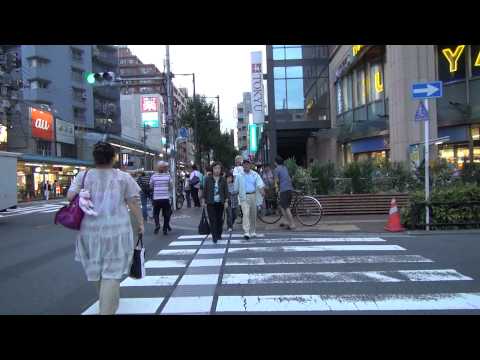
(79, 94)
(359, 84)
(451, 62)
(37, 62)
(77, 54)
(77, 75)
(39, 84)
(288, 87)
(287, 52)
(347, 94)
(79, 114)
(376, 82)
(44, 148)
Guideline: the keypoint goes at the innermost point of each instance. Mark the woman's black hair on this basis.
(217, 163)
(194, 167)
(103, 153)
(279, 160)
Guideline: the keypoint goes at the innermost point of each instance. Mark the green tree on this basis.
(209, 135)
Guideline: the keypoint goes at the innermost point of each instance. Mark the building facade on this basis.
(298, 101)
(242, 128)
(373, 112)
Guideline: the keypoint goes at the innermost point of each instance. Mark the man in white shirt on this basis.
(238, 169)
(250, 188)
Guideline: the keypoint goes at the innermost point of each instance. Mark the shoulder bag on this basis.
(71, 215)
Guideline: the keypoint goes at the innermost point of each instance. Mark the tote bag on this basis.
(204, 227)
(137, 271)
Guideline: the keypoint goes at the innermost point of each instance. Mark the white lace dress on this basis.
(105, 242)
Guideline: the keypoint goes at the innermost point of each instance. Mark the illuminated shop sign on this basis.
(452, 61)
(356, 49)
(3, 134)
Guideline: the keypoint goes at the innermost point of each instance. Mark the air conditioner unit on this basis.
(84, 96)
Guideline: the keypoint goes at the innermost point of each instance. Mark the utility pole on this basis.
(170, 121)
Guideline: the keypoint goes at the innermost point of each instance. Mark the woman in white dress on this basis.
(106, 241)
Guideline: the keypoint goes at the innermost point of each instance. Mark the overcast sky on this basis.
(219, 70)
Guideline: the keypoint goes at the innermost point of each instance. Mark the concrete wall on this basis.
(405, 65)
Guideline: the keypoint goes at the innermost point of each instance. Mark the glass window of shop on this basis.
(364, 85)
(288, 87)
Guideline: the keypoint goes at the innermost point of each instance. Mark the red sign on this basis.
(42, 124)
(149, 104)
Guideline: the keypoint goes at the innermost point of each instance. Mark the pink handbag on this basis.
(71, 215)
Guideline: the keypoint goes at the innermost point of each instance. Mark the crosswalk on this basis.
(290, 275)
(33, 209)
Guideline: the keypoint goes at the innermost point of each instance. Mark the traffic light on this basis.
(99, 78)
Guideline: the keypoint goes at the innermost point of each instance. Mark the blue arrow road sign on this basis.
(422, 113)
(427, 90)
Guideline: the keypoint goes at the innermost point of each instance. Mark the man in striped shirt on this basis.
(162, 187)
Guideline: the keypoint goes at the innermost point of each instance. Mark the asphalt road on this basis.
(278, 273)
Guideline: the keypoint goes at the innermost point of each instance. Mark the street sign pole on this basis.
(427, 170)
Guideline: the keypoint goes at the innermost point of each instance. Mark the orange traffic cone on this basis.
(393, 223)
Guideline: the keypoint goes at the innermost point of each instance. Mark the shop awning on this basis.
(56, 160)
(369, 144)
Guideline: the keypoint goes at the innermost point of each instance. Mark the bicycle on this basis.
(305, 208)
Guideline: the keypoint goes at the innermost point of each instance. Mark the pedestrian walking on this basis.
(196, 178)
(144, 182)
(105, 242)
(232, 208)
(46, 190)
(285, 186)
(238, 169)
(250, 188)
(162, 186)
(214, 197)
(188, 190)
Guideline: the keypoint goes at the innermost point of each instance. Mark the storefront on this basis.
(33, 171)
(461, 139)
(368, 148)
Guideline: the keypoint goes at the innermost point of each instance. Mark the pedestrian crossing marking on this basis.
(177, 252)
(361, 259)
(310, 303)
(164, 280)
(131, 306)
(189, 297)
(224, 236)
(206, 262)
(308, 240)
(188, 305)
(343, 277)
(209, 279)
(311, 248)
(160, 264)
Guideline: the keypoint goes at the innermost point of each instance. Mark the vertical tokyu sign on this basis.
(257, 88)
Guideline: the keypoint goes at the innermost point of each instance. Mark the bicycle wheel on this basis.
(180, 201)
(269, 216)
(308, 211)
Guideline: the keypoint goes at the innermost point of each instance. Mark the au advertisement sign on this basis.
(150, 111)
(42, 124)
(257, 99)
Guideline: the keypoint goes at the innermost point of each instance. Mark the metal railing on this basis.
(441, 209)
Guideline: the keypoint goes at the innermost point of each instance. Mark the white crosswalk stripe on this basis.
(33, 209)
(270, 274)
